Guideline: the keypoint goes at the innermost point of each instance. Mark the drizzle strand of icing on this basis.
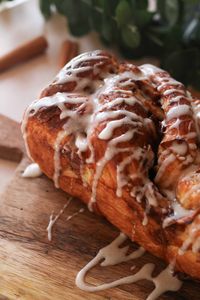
(53, 219)
(32, 170)
(113, 254)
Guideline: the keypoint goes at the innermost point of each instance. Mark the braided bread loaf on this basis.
(124, 139)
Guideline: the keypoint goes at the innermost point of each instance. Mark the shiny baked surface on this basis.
(124, 139)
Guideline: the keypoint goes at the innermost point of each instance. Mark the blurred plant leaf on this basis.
(78, 16)
(182, 64)
(172, 11)
(171, 32)
(123, 13)
(143, 17)
(45, 6)
(169, 11)
(131, 36)
(141, 4)
(106, 30)
(191, 34)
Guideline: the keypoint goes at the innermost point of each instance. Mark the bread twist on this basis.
(124, 139)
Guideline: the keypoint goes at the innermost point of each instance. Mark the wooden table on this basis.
(49, 269)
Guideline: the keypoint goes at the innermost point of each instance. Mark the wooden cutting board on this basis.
(31, 267)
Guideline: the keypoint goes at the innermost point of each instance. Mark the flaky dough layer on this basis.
(170, 154)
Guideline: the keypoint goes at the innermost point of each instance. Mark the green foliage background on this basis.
(171, 33)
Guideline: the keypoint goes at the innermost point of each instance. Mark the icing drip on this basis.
(107, 132)
(57, 164)
(178, 212)
(174, 99)
(32, 170)
(84, 113)
(87, 112)
(100, 106)
(165, 163)
(114, 254)
(149, 70)
(121, 81)
(121, 176)
(168, 83)
(130, 101)
(53, 219)
(130, 118)
(81, 210)
(77, 65)
(145, 220)
(176, 112)
(145, 191)
(111, 151)
(180, 151)
(164, 282)
(106, 115)
(171, 91)
(193, 239)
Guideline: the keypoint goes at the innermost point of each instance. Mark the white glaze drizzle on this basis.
(32, 170)
(145, 190)
(149, 70)
(76, 123)
(165, 163)
(74, 67)
(164, 282)
(178, 150)
(178, 212)
(119, 100)
(82, 142)
(145, 220)
(175, 99)
(171, 91)
(53, 219)
(114, 254)
(121, 175)
(57, 163)
(178, 111)
(192, 240)
(107, 132)
(111, 151)
(168, 83)
(81, 210)
(176, 125)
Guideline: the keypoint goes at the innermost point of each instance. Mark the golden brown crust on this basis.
(116, 210)
(76, 176)
(162, 243)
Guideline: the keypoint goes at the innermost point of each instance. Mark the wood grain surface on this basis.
(31, 267)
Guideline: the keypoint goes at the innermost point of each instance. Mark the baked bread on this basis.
(124, 139)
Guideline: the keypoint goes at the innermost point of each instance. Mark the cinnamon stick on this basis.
(69, 49)
(23, 53)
